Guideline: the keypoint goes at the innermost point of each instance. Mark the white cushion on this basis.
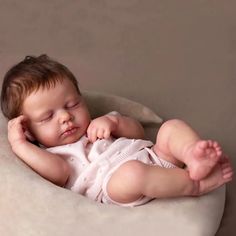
(30, 205)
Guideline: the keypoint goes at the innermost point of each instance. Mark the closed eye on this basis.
(47, 118)
(72, 105)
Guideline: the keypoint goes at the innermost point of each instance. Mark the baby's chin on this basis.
(63, 140)
(70, 139)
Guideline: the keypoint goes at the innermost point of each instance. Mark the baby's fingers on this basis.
(95, 133)
(103, 133)
(107, 134)
(92, 134)
(100, 133)
(16, 122)
(16, 130)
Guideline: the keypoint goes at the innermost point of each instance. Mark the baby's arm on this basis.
(116, 125)
(48, 165)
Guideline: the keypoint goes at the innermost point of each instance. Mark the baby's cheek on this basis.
(47, 137)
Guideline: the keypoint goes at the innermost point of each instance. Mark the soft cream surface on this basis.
(30, 205)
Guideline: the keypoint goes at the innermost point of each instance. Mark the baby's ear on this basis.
(29, 136)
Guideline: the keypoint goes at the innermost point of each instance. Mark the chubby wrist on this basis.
(18, 145)
(114, 119)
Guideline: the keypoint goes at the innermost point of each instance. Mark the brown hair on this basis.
(27, 76)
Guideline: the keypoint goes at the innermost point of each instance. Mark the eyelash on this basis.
(47, 118)
(73, 105)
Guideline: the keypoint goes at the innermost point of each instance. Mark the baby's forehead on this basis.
(53, 89)
(47, 84)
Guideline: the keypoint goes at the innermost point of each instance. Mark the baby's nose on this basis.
(65, 116)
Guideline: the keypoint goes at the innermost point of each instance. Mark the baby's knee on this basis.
(169, 124)
(127, 182)
(167, 129)
(134, 171)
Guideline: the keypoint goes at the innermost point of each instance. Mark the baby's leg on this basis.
(178, 143)
(135, 179)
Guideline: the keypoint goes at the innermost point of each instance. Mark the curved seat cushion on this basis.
(30, 205)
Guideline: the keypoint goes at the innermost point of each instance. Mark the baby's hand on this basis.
(16, 131)
(102, 127)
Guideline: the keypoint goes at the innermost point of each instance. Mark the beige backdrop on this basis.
(177, 57)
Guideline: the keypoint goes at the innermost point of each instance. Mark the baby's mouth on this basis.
(69, 131)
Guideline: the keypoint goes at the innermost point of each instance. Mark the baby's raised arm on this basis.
(48, 165)
(116, 125)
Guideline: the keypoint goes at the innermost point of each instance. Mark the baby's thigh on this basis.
(127, 182)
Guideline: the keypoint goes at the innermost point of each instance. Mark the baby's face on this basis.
(57, 115)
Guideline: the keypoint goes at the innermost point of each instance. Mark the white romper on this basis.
(92, 164)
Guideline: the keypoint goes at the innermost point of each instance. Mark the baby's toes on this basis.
(228, 175)
(226, 169)
(203, 144)
(219, 152)
(216, 144)
(210, 143)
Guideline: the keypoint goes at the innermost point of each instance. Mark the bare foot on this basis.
(202, 157)
(222, 173)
